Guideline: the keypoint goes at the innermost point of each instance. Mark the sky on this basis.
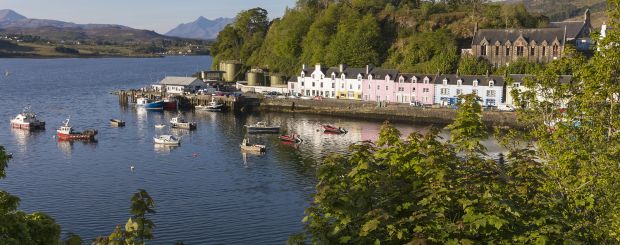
(158, 15)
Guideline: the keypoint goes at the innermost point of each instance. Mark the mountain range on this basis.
(202, 28)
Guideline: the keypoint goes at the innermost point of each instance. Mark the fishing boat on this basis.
(293, 138)
(160, 125)
(171, 104)
(150, 105)
(27, 120)
(247, 146)
(212, 106)
(117, 123)
(334, 130)
(180, 122)
(166, 140)
(262, 127)
(66, 132)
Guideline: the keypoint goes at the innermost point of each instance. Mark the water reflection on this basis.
(67, 146)
(23, 136)
(164, 149)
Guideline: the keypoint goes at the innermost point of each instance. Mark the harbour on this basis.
(207, 190)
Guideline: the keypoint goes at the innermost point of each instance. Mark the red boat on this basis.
(66, 132)
(293, 138)
(170, 104)
(334, 130)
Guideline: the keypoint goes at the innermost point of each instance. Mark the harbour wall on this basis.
(391, 112)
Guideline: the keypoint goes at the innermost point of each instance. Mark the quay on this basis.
(189, 101)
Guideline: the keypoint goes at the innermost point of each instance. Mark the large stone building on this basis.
(541, 45)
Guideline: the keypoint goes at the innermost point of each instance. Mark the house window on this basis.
(292, 86)
(520, 51)
(401, 80)
(303, 75)
(342, 85)
(459, 92)
(321, 84)
(491, 83)
(516, 85)
(386, 88)
(445, 91)
(368, 86)
(359, 87)
(350, 86)
(333, 85)
(475, 83)
(312, 76)
(401, 89)
(496, 50)
(445, 82)
(532, 51)
(413, 90)
(302, 84)
(507, 51)
(333, 76)
(556, 50)
(425, 80)
(425, 90)
(313, 84)
(459, 82)
(490, 93)
(378, 87)
(483, 50)
(544, 51)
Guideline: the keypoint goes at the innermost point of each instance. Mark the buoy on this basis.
(195, 154)
(132, 168)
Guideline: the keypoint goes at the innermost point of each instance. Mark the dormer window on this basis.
(303, 75)
(312, 76)
(426, 80)
(459, 82)
(401, 80)
(491, 83)
(322, 76)
(475, 83)
(556, 50)
(414, 80)
(445, 82)
(359, 77)
(333, 76)
(483, 50)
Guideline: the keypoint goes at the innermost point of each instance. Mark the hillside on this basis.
(559, 10)
(202, 28)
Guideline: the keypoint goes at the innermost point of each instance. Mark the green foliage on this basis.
(520, 66)
(470, 65)
(433, 52)
(356, 42)
(467, 130)
(17, 227)
(138, 228)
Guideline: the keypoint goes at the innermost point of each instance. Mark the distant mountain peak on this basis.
(7, 15)
(201, 28)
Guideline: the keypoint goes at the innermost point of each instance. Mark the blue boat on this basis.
(150, 105)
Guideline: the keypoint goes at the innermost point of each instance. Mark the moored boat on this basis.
(27, 120)
(247, 146)
(166, 140)
(117, 123)
(333, 130)
(160, 125)
(150, 105)
(212, 106)
(66, 132)
(293, 138)
(262, 127)
(180, 122)
(171, 104)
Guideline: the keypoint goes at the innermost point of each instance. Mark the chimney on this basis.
(342, 67)
(317, 67)
(368, 68)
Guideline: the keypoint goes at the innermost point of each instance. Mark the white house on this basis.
(449, 87)
(179, 85)
(518, 84)
(350, 85)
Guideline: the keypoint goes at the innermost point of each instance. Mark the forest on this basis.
(409, 35)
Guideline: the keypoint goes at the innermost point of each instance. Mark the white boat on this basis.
(166, 140)
(212, 106)
(180, 122)
(262, 127)
(27, 120)
(246, 146)
(160, 125)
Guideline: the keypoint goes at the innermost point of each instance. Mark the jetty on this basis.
(235, 103)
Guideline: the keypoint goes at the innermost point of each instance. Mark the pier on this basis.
(189, 101)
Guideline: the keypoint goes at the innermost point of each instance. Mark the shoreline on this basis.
(394, 112)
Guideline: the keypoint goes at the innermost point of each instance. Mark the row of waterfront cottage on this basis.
(389, 85)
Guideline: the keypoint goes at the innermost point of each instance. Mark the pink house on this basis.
(422, 87)
(379, 85)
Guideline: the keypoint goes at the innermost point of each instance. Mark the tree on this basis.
(138, 228)
(470, 65)
(467, 130)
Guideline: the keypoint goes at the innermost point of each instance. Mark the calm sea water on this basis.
(206, 190)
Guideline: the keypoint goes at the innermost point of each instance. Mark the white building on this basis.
(449, 87)
(179, 85)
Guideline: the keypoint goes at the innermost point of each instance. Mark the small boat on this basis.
(166, 140)
(334, 130)
(160, 125)
(117, 123)
(27, 120)
(180, 122)
(212, 106)
(293, 138)
(66, 132)
(262, 127)
(246, 146)
(150, 105)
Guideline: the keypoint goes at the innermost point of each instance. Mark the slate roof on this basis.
(573, 28)
(380, 73)
(351, 73)
(293, 79)
(420, 77)
(503, 35)
(469, 80)
(180, 81)
(519, 78)
(334, 70)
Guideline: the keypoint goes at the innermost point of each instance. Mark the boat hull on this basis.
(253, 148)
(263, 130)
(76, 136)
(117, 123)
(170, 105)
(190, 126)
(28, 126)
(158, 105)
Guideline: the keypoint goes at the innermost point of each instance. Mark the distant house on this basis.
(336, 82)
(351, 83)
(379, 85)
(449, 87)
(541, 45)
(179, 85)
(518, 81)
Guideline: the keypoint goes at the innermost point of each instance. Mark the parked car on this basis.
(415, 103)
(506, 108)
